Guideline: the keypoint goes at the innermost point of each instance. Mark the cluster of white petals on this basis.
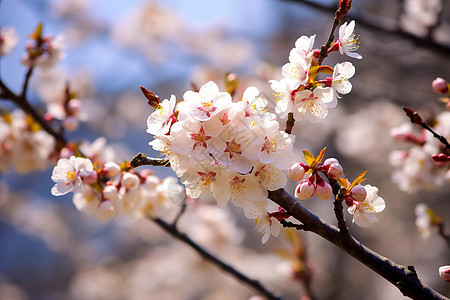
(224, 149)
(8, 40)
(108, 191)
(414, 167)
(364, 212)
(52, 51)
(299, 93)
(23, 144)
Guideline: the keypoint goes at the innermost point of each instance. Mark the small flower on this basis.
(8, 40)
(358, 193)
(303, 48)
(342, 73)
(347, 40)
(312, 105)
(283, 97)
(364, 213)
(67, 175)
(296, 73)
(161, 119)
(206, 103)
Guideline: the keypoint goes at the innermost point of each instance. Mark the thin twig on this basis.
(180, 213)
(173, 231)
(27, 81)
(417, 119)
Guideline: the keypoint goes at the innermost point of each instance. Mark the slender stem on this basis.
(324, 49)
(27, 81)
(290, 122)
(404, 278)
(180, 213)
(173, 231)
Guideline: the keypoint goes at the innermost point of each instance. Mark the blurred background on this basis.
(48, 250)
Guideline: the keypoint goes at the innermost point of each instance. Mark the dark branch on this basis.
(404, 278)
(288, 224)
(173, 231)
(142, 159)
(417, 119)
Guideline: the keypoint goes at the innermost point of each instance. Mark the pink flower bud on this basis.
(151, 182)
(130, 181)
(73, 107)
(444, 272)
(70, 123)
(358, 193)
(335, 170)
(324, 190)
(296, 172)
(110, 192)
(439, 86)
(90, 178)
(305, 190)
(111, 169)
(329, 161)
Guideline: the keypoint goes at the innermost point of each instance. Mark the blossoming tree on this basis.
(226, 145)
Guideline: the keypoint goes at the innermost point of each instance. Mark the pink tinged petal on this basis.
(250, 94)
(78, 185)
(61, 188)
(444, 273)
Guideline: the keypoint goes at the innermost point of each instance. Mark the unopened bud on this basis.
(305, 190)
(90, 178)
(329, 161)
(335, 171)
(444, 272)
(130, 181)
(110, 192)
(296, 172)
(440, 86)
(358, 193)
(151, 182)
(111, 169)
(324, 190)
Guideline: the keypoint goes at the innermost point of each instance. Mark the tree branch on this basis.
(142, 159)
(173, 231)
(404, 278)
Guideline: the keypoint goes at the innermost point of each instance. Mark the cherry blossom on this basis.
(364, 213)
(161, 119)
(67, 175)
(206, 103)
(347, 41)
(313, 105)
(8, 40)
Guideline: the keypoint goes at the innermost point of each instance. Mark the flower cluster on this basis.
(423, 165)
(8, 40)
(113, 190)
(44, 51)
(300, 93)
(229, 150)
(23, 144)
(363, 201)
